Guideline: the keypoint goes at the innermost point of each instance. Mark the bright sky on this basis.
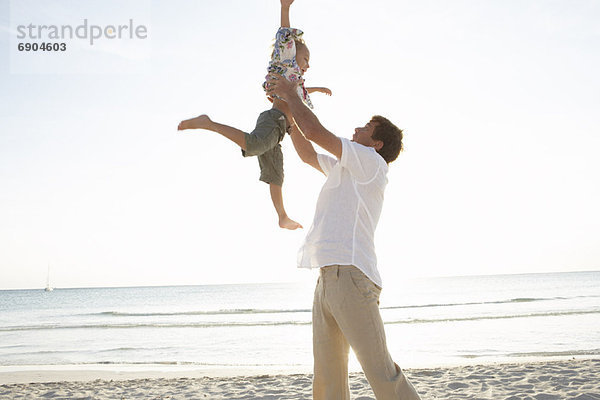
(498, 99)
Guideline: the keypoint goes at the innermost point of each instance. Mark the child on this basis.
(290, 59)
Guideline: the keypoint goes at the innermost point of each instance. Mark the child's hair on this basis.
(300, 44)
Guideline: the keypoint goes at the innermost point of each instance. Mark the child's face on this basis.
(302, 57)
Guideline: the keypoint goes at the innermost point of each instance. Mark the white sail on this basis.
(48, 287)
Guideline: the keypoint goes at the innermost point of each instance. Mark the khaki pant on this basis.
(263, 142)
(346, 313)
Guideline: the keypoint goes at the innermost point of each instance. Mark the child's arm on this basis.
(325, 90)
(285, 13)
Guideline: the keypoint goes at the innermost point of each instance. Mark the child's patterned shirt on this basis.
(283, 60)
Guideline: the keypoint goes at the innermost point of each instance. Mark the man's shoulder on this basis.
(361, 150)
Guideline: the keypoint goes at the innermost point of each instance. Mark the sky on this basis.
(498, 101)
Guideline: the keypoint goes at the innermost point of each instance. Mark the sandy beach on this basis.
(566, 379)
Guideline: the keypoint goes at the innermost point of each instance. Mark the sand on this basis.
(566, 379)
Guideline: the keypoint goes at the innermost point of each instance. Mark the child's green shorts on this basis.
(263, 142)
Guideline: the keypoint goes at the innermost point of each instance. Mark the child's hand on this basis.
(325, 90)
(286, 3)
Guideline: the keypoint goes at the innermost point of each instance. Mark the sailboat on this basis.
(48, 287)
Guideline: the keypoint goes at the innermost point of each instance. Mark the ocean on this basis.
(429, 322)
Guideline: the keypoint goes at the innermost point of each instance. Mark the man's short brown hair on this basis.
(390, 135)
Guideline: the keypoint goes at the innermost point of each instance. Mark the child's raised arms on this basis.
(285, 13)
(286, 3)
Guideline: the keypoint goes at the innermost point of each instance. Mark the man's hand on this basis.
(280, 86)
(286, 3)
(305, 119)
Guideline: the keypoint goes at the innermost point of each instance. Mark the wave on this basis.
(121, 349)
(231, 324)
(164, 362)
(75, 351)
(565, 353)
(179, 313)
(589, 352)
(308, 310)
(152, 325)
(490, 317)
(43, 352)
(474, 303)
(190, 363)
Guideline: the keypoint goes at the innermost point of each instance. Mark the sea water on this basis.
(428, 323)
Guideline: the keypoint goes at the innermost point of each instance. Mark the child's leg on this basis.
(277, 198)
(264, 142)
(271, 172)
(204, 122)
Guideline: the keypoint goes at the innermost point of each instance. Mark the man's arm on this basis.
(285, 13)
(304, 148)
(308, 122)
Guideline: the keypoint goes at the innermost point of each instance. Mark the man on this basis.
(341, 243)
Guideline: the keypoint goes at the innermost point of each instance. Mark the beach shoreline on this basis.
(576, 378)
(90, 372)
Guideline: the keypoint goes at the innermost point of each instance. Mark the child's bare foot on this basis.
(200, 122)
(286, 223)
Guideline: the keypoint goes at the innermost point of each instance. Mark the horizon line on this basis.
(292, 282)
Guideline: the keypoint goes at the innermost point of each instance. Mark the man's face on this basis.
(364, 136)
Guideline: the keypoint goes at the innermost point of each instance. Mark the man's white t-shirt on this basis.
(347, 211)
